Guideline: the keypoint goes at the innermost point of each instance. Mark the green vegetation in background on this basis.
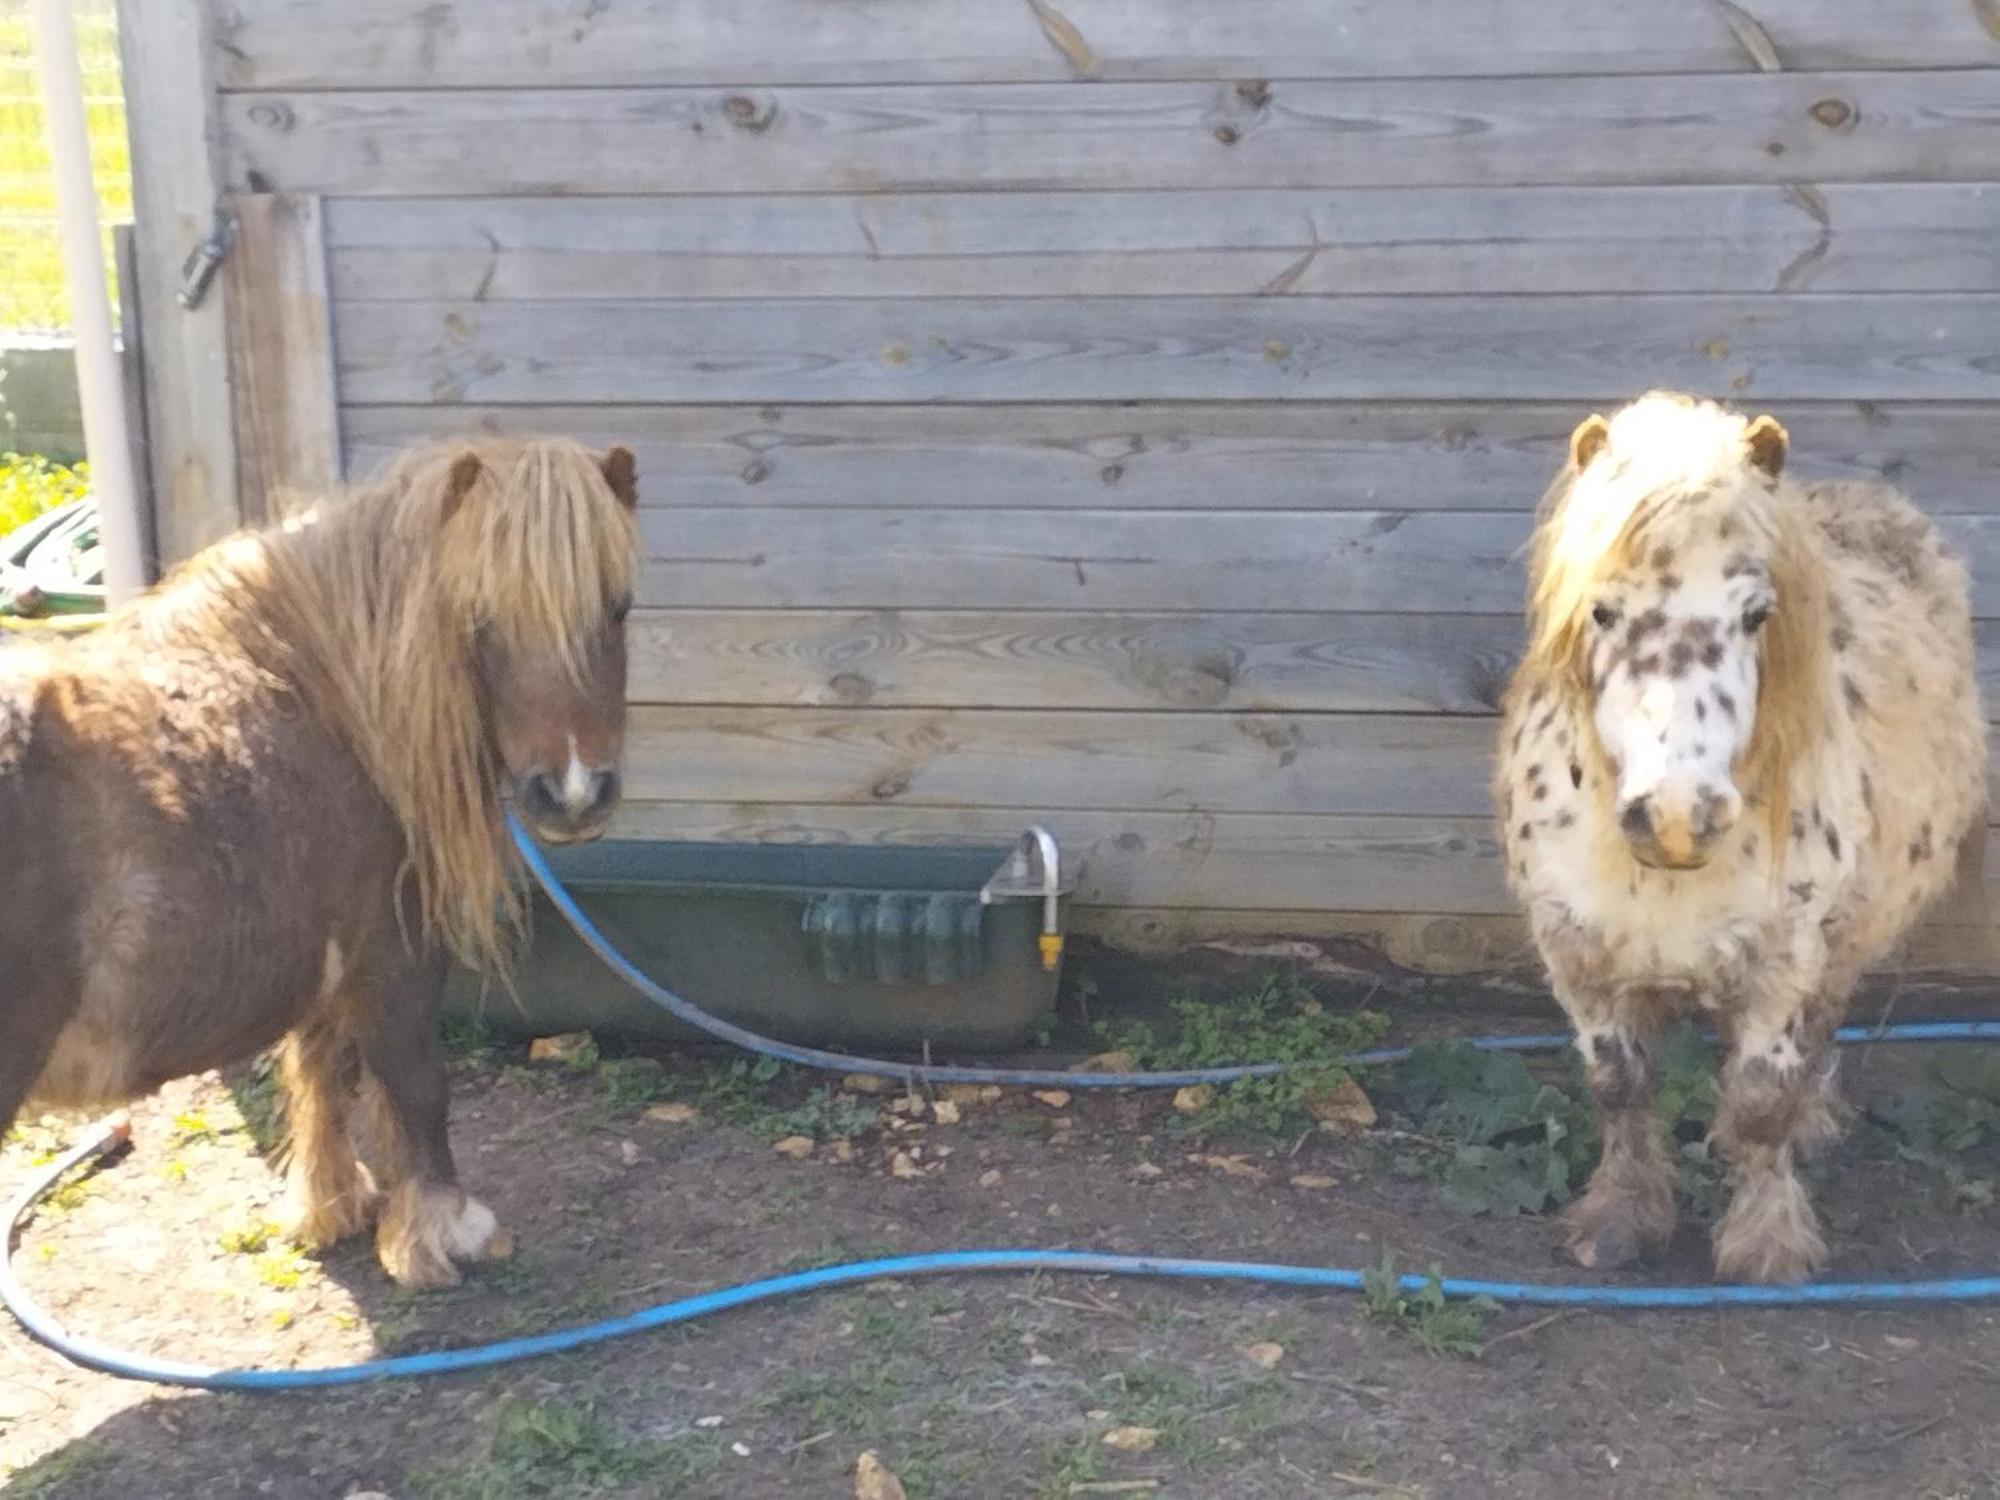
(31, 484)
(31, 285)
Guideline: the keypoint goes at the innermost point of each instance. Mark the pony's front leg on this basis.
(331, 1194)
(430, 1223)
(1627, 1212)
(1775, 1084)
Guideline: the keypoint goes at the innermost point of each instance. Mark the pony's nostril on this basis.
(541, 794)
(1636, 818)
(604, 790)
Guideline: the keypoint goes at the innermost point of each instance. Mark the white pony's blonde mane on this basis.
(1599, 519)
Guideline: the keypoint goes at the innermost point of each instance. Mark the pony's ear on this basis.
(1768, 445)
(621, 472)
(1588, 440)
(464, 474)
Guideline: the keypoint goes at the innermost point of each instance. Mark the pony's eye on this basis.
(1754, 618)
(620, 608)
(1605, 616)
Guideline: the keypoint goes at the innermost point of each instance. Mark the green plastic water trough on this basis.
(832, 945)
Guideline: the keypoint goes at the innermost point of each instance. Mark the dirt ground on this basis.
(630, 1182)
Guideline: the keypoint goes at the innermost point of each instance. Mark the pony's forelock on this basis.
(1593, 524)
(396, 585)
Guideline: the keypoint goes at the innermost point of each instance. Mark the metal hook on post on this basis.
(199, 269)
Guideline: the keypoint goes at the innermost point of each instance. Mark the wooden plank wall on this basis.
(1128, 414)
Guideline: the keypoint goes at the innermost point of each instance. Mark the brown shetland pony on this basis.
(263, 803)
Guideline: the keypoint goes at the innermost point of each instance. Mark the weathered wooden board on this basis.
(1292, 862)
(403, 44)
(1304, 663)
(166, 55)
(1235, 861)
(1363, 455)
(281, 347)
(1466, 943)
(1845, 237)
(1761, 348)
(1403, 563)
(1401, 764)
(1413, 132)
(1154, 762)
(1011, 659)
(1399, 562)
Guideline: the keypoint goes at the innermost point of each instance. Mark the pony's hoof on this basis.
(430, 1228)
(1609, 1231)
(1770, 1234)
(1611, 1247)
(1769, 1263)
(319, 1223)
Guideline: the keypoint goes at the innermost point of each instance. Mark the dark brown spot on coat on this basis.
(1851, 691)
(1802, 890)
(1575, 774)
(1739, 566)
(1920, 846)
(1711, 657)
(1833, 841)
(1724, 702)
(1643, 625)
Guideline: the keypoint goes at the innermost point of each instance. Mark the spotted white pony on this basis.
(1737, 760)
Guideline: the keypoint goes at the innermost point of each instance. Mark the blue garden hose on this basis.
(107, 1136)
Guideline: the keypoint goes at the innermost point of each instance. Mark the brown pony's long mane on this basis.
(1584, 537)
(373, 606)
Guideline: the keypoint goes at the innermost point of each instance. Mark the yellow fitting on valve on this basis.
(1051, 949)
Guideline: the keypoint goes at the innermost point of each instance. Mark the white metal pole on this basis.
(98, 376)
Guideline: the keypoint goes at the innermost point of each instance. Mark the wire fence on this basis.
(31, 284)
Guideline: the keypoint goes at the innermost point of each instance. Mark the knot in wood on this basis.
(746, 113)
(274, 115)
(1835, 114)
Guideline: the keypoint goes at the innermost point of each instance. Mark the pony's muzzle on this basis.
(571, 807)
(1678, 834)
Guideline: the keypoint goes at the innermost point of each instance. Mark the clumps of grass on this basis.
(833, 1252)
(252, 1237)
(257, 1101)
(192, 1126)
(1434, 1321)
(1279, 1021)
(469, 1035)
(632, 1083)
(826, 1114)
(555, 1448)
(738, 1093)
(60, 1472)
